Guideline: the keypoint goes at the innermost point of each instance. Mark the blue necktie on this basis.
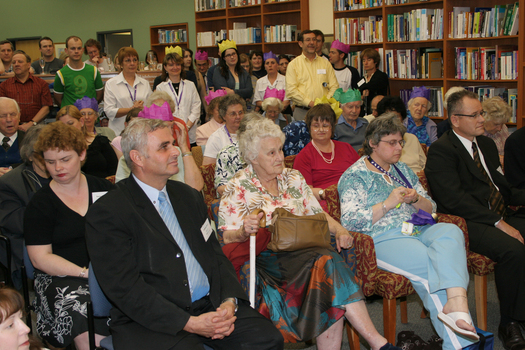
(199, 285)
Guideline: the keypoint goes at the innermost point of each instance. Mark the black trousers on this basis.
(252, 332)
(509, 254)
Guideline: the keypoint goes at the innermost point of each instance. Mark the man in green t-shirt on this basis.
(77, 79)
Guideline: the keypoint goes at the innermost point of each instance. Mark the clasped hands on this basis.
(215, 324)
(401, 195)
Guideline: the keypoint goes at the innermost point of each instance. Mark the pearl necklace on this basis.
(328, 161)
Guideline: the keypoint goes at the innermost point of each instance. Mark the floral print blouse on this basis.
(360, 188)
(244, 193)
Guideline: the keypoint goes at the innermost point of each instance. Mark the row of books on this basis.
(237, 3)
(172, 36)
(487, 63)
(436, 99)
(398, 2)
(359, 30)
(484, 22)
(204, 5)
(345, 5)
(420, 63)
(416, 25)
(249, 35)
(211, 38)
(280, 33)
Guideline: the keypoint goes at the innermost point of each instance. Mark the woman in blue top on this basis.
(230, 76)
(378, 195)
(417, 122)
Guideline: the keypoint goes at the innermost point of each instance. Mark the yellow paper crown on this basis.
(227, 44)
(171, 49)
(332, 102)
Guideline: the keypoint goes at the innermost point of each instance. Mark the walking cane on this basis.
(253, 244)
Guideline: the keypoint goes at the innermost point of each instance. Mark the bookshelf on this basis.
(448, 45)
(220, 17)
(176, 34)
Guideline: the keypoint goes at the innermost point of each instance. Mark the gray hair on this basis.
(386, 124)
(230, 100)
(450, 91)
(27, 149)
(248, 118)
(497, 110)
(12, 100)
(429, 104)
(135, 136)
(160, 95)
(272, 102)
(256, 131)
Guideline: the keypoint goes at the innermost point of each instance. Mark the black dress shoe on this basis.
(511, 336)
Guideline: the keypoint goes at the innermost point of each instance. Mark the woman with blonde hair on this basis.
(497, 113)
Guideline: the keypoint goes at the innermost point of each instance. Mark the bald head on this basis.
(374, 103)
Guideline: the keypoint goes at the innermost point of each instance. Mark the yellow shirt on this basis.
(307, 80)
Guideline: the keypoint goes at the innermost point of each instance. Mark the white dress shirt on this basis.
(264, 82)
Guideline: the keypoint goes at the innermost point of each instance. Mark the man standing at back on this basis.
(309, 76)
(52, 64)
(77, 79)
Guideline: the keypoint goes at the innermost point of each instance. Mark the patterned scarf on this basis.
(419, 131)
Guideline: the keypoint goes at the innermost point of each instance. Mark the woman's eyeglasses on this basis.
(393, 143)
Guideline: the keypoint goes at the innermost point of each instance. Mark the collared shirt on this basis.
(152, 193)
(307, 80)
(12, 138)
(264, 82)
(347, 133)
(31, 95)
(119, 94)
(468, 145)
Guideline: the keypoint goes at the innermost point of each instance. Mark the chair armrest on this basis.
(365, 261)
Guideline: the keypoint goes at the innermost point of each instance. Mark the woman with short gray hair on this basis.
(272, 107)
(324, 288)
(497, 113)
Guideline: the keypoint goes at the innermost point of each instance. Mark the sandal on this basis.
(450, 320)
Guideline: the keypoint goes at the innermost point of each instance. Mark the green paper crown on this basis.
(351, 95)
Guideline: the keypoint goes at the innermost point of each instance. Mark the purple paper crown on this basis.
(420, 91)
(336, 44)
(214, 94)
(87, 102)
(269, 55)
(157, 112)
(201, 56)
(274, 93)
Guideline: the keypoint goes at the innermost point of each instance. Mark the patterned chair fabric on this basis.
(425, 148)
(111, 179)
(209, 192)
(197, 155)
(288, 161)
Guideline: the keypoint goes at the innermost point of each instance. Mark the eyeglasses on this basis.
(87, 113)
(321, 127)
(482, 113)
(129, 60)
(393, 143)
(230, 55)
(235, 114)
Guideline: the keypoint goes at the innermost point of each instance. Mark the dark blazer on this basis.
(12, 156)
(141, 269)
(459, 187)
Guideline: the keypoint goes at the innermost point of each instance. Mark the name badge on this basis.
(95, 196)
(407, 228)
(321, 71)
(361, 82)
(206, 230)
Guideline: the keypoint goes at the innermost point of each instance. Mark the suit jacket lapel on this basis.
(467, 158)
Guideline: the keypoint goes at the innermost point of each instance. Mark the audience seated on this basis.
(204, 131)
(6, 55)
(515, 159)
(497, 113)
(17, 187)
(412, 154)
(465, 178)
(52, 64)
(350, 127)
(101, 159)
(231, 109)
(417, 121)
(272, 80)
(373, 106)
(31, 92)
(125, 91)
(323, 160)
(273, 107)
(54, 231)
(11, 136)
(88, 108)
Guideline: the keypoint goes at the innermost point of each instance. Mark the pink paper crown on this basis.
(215, 94)
(274, 93)
(201, 56)
(269, 55)
(336, 44)
(87, 102)
(155, 112)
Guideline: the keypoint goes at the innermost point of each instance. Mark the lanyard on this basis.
(228, 133)
(406, 183)
(133, 98)
(181, 90)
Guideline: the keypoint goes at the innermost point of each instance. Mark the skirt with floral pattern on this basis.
(61, 309)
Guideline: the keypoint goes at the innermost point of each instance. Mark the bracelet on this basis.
(384, 208)
(83, 272)
(417, 200)
(185, 154)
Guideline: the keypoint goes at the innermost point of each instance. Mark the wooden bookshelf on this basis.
(448, 46)
(292, 12)
(158, 47)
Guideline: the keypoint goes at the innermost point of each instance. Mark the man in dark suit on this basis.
(10, 136)
(159, 263)
(465, 178)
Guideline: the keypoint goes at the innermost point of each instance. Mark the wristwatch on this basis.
(34, 123)
(233, 300)
(321, 194)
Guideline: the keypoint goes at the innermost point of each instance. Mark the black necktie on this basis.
(5, 143)
(496, 202)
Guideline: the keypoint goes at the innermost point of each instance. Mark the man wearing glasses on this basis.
(466, 180)
(31, 92)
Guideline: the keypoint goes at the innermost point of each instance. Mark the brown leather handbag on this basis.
(291, 232)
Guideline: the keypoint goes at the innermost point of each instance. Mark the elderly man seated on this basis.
(11, 136)
(350, 127)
